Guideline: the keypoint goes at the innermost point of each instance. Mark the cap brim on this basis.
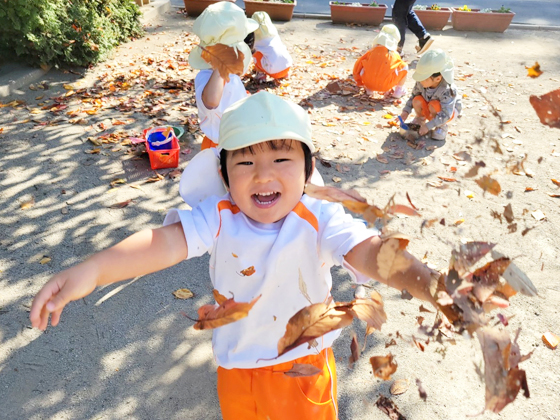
(196, 61)
(418, 76)
(252, 25)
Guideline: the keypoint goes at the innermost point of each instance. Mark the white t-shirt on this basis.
(276, 57)
(209, 119)
(308, 242)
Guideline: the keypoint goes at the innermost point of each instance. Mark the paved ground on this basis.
(127, 352)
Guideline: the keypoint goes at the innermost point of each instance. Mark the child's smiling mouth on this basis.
(266, 199)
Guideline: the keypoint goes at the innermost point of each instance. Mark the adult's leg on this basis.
(401, 9)
(414, 24)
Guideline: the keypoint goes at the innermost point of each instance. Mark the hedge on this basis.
(66, 32)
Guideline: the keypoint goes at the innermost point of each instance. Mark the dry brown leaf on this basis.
(446, 179)
(382, 159)
(312, 322)
(28, 204)
(117, 181)
(389, 407)
(551, 340)
(534, 71)
(354, 351)
(299, 370)
(121, 205)
(383, 366)
(45, 260)
(157, 177)
(333, 194)
(508, 213)
(249, 271)
(489, 184)
(227, 311)
(400, 386)
(555, 182)
(227, 60)
(547, 108)
(391, 260)
(183, 294)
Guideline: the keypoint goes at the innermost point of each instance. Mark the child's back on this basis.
(381, 68)
(271, 55)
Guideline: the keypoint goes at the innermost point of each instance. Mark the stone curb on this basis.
(523, 26)
(22, 75)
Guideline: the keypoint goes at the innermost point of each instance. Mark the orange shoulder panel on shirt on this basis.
(226, 205)
(306, 215)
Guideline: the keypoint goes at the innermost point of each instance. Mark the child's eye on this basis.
(245, 163)
(281, 160)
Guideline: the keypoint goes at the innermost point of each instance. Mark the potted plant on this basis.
(433, 17)
(196, 7)
(485, 20)
(366, 13)
(277, 9)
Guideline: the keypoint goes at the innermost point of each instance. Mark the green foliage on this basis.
(503, 10)
(66, 32)
(374, 4)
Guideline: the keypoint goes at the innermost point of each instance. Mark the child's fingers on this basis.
(55, 317)
(38, 310)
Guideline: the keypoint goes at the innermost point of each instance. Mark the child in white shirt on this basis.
(265, 222)
(220, 23)
(271, 55)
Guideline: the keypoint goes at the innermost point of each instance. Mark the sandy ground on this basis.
(126, 352)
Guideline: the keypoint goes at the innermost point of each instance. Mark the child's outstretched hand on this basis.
(66, 286)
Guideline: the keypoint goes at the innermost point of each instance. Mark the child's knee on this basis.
(434, 107)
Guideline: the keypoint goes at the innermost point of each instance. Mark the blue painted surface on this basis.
(534, 12)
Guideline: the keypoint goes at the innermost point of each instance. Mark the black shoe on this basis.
(424, 44)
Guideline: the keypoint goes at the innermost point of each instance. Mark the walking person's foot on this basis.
(424, 44)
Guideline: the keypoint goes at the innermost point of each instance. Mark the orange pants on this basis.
(207, 143)
(280, 75)
(425, 107)
(268, 394)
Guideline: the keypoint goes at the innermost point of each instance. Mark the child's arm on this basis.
(416, 279)
(213, 91)
(141, 253)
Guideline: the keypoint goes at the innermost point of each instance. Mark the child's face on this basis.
(266, 184)
(431, 82)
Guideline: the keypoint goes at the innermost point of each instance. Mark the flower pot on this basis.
(276, 10)
(196, 7)
(434, 20)
(346, 13)
(475, 20)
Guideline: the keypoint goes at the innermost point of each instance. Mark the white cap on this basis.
(434, 61)
(389, 36)
(262, 117)
(266, 28)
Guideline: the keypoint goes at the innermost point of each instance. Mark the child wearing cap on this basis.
(381, 69)
(434, 98)
(265, 221)
(271, 55)
(220, 23)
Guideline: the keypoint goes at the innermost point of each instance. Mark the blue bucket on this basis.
(160, 138)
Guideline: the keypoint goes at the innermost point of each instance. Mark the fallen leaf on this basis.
(538, 215)
(121, 205)
(534, 71)
(157, 177)
(249, 271)
(529, 189)
(508, 213)
(333, 194)
(551, 340)
(423, 309)
(400, 386)
(299, 370)
(45, 260)
(226, 312)
(555, 182)
(183, 294)
(354, 351)
(389, 407)
(382, 159)
(383, 366)
(118, 181)
(553, 195)
(489, 184)
(447, 179)
(28, 204)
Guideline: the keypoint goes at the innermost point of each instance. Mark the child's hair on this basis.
(250, 40)
(273, 145)
(436, 75)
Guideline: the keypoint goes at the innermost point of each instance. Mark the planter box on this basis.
(434, 20)
(276, 11)
(196, 7)
(369, 15)
(476, 20)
